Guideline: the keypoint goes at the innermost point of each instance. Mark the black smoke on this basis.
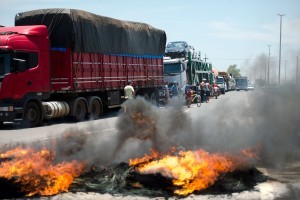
(267, 119)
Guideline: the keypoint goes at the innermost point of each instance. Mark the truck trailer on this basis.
(57, 63)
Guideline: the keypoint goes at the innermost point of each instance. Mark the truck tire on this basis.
(146, 97)
(94, 107)
(222, 91)
(153, 99)
(79, 109)
(32, 115)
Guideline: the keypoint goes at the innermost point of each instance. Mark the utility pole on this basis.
(280, 47)
(266, 67)
(260, 71)
(285, 71)
(297, 72)
(269, 65)
(205, 58)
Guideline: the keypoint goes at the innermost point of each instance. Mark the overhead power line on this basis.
(232, 59)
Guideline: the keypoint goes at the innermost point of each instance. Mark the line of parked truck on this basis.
(57, 63)
(183, 66)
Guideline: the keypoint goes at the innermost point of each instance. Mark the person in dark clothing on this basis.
(207, 91)
(174, 89)
(202, 90)
(186, 88)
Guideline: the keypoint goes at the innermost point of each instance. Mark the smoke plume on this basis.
(267, 119)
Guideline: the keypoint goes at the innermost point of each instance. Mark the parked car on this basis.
(178, 49)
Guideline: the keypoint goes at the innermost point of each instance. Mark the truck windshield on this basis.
(241, 82)
(220, 80)
(5, 63)
(172, 69)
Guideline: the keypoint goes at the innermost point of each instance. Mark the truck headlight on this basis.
(7, 108)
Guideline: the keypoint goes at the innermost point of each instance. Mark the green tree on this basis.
(232, 69)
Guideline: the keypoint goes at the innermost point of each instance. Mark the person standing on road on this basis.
(129, 93)
(174, 89)
(207, 91)
(202, 90)
(188, 97)
(186, 88)
(129, 90)
(167, 94)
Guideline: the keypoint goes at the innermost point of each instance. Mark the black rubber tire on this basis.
(32, 115)
(80, 110)
(146, 97)
(199, 101)
(188, 103)
(153, 99)
(95, 109)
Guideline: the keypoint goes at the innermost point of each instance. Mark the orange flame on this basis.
(189, 170)
(146, 158)
(36, 173)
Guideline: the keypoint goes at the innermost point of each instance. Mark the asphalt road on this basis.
(233, 121)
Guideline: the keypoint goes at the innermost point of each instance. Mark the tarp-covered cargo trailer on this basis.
(93, 52)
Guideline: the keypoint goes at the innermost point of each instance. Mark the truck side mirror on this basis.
(19, 65)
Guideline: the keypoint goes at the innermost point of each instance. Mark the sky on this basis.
(226, 32)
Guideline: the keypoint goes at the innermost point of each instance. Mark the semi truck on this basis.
(189, 71)
(222, 80)
(57, 63)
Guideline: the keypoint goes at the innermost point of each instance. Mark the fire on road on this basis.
(192, 159)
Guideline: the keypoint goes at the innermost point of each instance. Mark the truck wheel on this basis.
(146, 97)
(94, 108)
(80, 110)
(153, 99)
(32, 115)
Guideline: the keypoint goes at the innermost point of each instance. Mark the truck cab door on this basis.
(27, 74)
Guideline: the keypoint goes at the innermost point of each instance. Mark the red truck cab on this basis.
(24, 67)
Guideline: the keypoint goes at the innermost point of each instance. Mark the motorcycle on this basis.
(216, 91)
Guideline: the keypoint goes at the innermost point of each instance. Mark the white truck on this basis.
(220, 81)
(175, 71)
